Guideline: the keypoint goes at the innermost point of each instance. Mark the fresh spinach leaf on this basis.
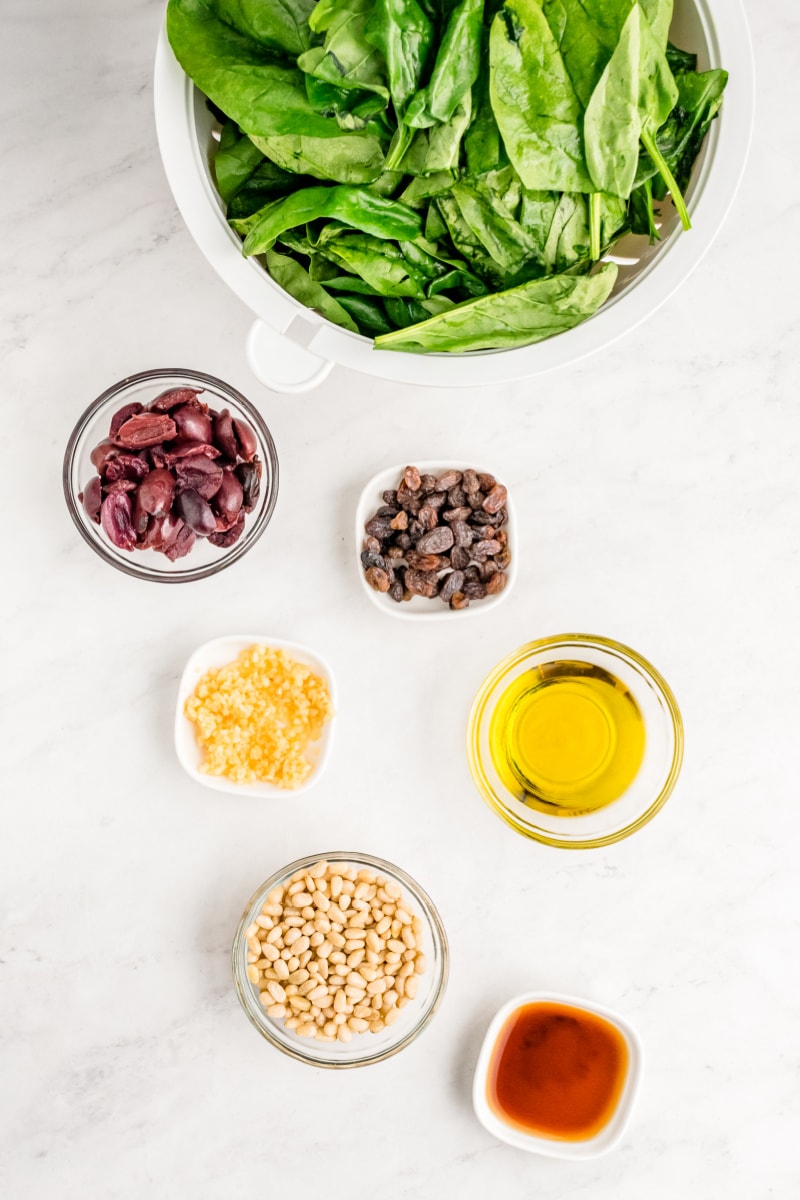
(241, 76)
(369, 315)
(353, 206)
(297, 282)
(279, 24)
(403, 34)
(517, 317)
(235, 160)
(455, 70)
(535, 105)
(348, 158)
(345, 59)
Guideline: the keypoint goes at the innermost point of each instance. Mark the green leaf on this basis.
(235, 160)
(353, 206)
(403, 34)
(517, 317)
(297, 282)
(380, 264)
(279, 24)
(240, 76)
(267, 183)
(535, 105)
(348, 158)
(345, 58)
(455, 70)
(368, 314)
(612, 122)
(503, 238)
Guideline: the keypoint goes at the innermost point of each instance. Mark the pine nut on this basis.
(335, 952)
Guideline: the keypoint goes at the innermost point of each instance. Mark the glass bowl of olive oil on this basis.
(576, 741)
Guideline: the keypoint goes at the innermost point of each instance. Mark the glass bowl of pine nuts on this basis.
(340, 960)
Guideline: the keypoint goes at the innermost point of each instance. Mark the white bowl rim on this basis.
(711, 195)
(429, 610)
(608, 1137)
(184, 738)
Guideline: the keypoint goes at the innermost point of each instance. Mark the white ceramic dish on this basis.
(216, 654)
(609, 1136)
(292, 349)
(420, 609)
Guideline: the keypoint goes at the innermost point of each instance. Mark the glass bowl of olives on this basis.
(171, 475)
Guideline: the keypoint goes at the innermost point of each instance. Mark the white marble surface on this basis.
(658, 498)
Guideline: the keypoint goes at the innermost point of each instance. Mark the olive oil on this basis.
(567, 738)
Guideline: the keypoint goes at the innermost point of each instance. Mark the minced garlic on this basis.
(255, 717)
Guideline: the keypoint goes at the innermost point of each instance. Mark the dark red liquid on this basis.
(557, 1071)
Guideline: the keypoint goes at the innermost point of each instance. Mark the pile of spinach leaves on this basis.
(446, 175)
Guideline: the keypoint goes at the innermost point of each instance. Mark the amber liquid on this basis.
(567, 737)
(557, 1071)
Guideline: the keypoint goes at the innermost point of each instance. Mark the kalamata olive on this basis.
(192, 423)
(140, 517)
(157, 492)
(103, 453)
(196, 512)
(115, 517)
(126, 466)
(121, 416)
(120, 485)
(229, 497)
(92, 497)
(160, 530)
(146, 429)
(224, 435)
(201, 474)
(189, 450)
(229, 536)
(248, 474)
(182, 545)
(246, 440)
(175, 396)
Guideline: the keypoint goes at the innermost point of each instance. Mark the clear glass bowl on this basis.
(654, 780)
(364, 1048)
(204, 559)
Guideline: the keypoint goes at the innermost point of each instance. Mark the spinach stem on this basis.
(649, 143)
(594, 225)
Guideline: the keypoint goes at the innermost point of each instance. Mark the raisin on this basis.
(436, 540)
(390, 497)
(496, 584)
(457, 514)
(426, 562)
(428, 517)
(463, 534)
(495, 499)
(459, 600)
(400, 521)
(487, 482)
(396, 591)
(378, 579)
(452, 584)
(412, 479)
(474, 589)
(421, 583)
(470, 482)
(459, 558)
(448, 480)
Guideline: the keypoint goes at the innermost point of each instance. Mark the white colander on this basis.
(290, 348)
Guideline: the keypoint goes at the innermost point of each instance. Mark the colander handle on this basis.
(282, 365)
